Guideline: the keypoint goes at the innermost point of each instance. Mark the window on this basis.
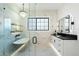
(38, 24)
(32, 24)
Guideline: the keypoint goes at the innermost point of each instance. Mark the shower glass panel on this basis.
(28, 25)
(7, 36)
(1, 36)
(32, 29)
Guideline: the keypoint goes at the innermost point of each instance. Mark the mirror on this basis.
(64, 24)
(16, 28)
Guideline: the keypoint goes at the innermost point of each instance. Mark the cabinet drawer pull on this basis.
(54, 40)
(59, 44)
(59, 50)
(59, 40)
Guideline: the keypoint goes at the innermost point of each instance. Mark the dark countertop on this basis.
(66, 36)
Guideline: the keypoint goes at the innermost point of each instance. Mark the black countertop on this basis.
(64, 36)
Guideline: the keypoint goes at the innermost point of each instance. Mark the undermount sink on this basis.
(21, 41)
(58, 36)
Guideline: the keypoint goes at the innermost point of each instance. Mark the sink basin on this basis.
(58, 36)
(21, 41)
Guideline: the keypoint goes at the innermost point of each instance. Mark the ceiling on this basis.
(16, 7)
(38, 6)
(49, 6)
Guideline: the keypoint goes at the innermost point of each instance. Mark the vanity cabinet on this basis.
(66, 47)
(58, 44)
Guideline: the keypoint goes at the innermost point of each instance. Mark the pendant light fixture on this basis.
(23, 12)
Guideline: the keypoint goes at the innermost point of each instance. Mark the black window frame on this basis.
(36, 23)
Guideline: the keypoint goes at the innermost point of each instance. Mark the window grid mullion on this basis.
(42, 24)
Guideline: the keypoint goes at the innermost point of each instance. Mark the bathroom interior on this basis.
(39, 29)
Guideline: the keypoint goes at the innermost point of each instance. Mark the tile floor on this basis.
(33, 50)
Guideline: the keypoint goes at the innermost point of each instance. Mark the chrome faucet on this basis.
(55, 32)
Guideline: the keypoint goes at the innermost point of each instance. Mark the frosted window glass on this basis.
(34, 24)
(34, 20)
(34, 28)
(38, 28)
(46, 20)
(38, 24)
(38, 20)
(30, 28)
(42, 24)
(42, 28)
(46, 28)
(30, 20)
(42, 20)
(46, 24)
(30, 24)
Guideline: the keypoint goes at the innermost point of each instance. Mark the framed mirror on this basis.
(64, 24)
(16, 28)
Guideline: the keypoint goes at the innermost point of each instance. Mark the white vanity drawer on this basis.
(61, 51)
(58, 44)
(60, 48)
